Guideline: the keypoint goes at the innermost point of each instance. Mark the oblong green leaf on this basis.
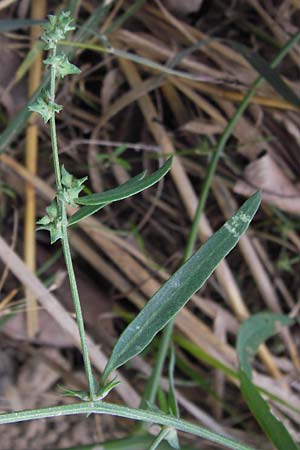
(175, 293)
(253, 332)
(131, 187)
(83, 212)
(272, 427)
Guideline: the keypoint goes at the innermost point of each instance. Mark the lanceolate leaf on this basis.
(83, 212)
(175, 293)
(131, 187)
(253, 332)
(273, 427)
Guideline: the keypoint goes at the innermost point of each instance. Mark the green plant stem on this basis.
(122, 411)
(222, 142)
(53, 128)
(153, 383)
(159, 438)
(77, 306)
(65, 241)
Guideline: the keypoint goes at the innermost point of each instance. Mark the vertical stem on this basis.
(65, 241)
(53, 127)
(152, 385)
(76, 300)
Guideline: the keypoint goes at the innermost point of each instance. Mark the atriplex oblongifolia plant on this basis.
(68, 187)
(165, 303)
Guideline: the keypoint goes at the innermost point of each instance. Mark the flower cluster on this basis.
(56, 29)
(52, 222)
(71, 187)
(62, 65)
(45, 107)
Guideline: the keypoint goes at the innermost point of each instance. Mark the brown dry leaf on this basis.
(277, 189)
(204, 127)
(184, 7)
(50, 333)
(37, 376)
(97, 309)
(111, 83)
(97, 305)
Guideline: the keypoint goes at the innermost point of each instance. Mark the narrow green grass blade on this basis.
(271, 75)
(200, 354)
(161, 68)
(83, 212)
(272, 427)
(253, 332)
(175, 293)
(15, 24)
(131, 187)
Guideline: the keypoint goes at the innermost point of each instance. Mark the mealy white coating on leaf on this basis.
(232, 224)
(231, 229)
(244, 217)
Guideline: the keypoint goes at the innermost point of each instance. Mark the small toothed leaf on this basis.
(45, 108)
(51, 222)
(52, 210)
(62, 65)
(172, 438)
(44, 221)
(66, 177)
(105, 390)
(71, 186)
(84, 396)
